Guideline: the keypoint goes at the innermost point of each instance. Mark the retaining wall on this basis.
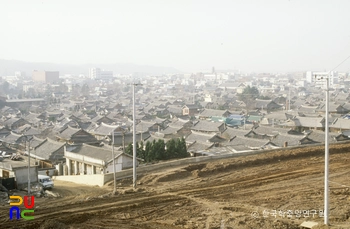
(101, 179)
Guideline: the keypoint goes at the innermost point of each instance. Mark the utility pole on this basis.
(326, 150)
(114, 188)
(28, 166)
(326, 168)
(134, 135)
(289, 100)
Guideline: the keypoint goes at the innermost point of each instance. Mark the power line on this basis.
(340, 63)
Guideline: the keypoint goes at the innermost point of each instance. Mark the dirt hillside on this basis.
(279, 189)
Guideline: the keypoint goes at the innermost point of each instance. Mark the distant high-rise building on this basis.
(94, 73)
(20, 74)
(97, 73)
(46, 76)
(319, 78)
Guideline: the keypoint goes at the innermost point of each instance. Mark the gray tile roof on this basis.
(13, 138)
(198, 146)
(212, 112)
(35, 141)
(251, 143)
(341, 123)
(170, 130)
(100, 153)
(68, 132)
(232, 132)
(50, 150)
(272, 131)
(207, 126)
(104, 129)
(319, 136)
(292, 140)
(198, 137)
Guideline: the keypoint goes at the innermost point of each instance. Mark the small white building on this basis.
(86, 159)
(18, 169)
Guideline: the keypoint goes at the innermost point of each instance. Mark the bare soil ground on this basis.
(279, 189)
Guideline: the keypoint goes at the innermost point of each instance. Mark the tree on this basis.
(181, 148)
(129, 149)
(249, 94)
(85, 90)
(159, 149)
(170, 149)
(140, 152)
(6, 87)
(149, 156)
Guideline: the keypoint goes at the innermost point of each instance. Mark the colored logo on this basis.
(18, 213)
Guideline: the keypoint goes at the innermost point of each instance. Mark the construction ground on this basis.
(277, 189)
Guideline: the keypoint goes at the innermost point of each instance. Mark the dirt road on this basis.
(279, 189)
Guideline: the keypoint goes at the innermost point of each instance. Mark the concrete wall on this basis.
(22, 175)
(186, 161)
(96, 179)
(101, 179)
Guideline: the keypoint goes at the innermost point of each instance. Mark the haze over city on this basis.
(190, 36)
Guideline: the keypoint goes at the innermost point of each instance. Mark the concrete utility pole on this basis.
(28, 167)
(134, 134)
(114, 188)
(326, 167)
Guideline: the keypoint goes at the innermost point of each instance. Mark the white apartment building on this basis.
(319, 78)
(97, 73)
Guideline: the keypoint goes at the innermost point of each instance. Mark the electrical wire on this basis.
(340, 63)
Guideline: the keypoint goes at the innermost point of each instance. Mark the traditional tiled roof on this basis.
(48, 150)
(212, 112)
(319, 136)
(32, 118)
(104, 129)
(92, 151)
(315, 122)
(35, 141)
(340, 123)
(272, 131)
(233, 132)
(31, 131)
(145, 125)
(67, 132)
(206, 126)
(251, 143)
(13, 138)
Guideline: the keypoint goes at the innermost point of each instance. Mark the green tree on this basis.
(181, 148)
(249, 94)
(159, 149)
(170, 149)
(149, 156)
(129, 149)
(140, 152)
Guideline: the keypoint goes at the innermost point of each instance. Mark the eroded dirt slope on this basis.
(279, 189)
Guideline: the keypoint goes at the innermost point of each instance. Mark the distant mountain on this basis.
(9, 67)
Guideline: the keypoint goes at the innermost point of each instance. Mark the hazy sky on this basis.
(256, 35)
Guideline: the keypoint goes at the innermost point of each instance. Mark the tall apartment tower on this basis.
(94, 73)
